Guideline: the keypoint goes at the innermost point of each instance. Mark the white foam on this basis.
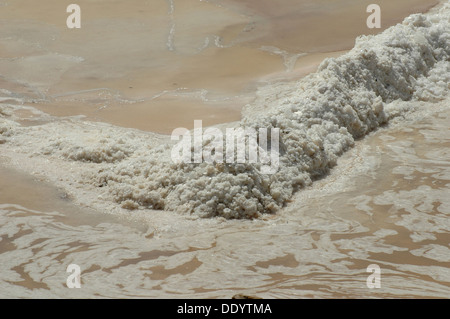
(320, 117)
(344, 100)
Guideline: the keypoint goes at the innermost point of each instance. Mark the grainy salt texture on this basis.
(320, 117)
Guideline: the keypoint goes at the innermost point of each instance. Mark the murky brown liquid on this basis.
(386, 203)
(162, 64)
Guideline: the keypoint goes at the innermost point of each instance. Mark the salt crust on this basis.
(320, 117)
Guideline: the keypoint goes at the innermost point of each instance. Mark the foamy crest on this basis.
(319, 118)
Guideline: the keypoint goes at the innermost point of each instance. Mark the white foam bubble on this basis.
(320, 117)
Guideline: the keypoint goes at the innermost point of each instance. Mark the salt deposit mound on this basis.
(319, 118)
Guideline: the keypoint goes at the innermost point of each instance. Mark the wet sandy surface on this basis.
(386, 203)
(158, 65)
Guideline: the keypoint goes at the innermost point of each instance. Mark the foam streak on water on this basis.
(387, 203)
(319, 118)
(371, 129)
(384, 77)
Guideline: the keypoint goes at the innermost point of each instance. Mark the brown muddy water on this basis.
(158, 65)
(386, 203)
(161, 64)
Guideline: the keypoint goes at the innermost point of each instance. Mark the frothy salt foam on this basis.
(319, 118)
